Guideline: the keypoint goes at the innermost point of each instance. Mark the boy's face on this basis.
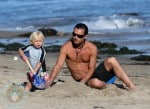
(37, 43)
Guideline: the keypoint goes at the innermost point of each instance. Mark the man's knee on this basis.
(109, 63)
(111, 60)
(96, 83)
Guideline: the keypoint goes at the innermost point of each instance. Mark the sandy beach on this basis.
(67, 93)
(125, 23)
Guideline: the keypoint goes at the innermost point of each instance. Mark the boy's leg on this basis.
(28, 86)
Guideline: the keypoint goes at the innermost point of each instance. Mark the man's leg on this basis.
(112, 64)
(96, 83)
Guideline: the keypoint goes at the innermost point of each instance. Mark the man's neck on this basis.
(78, 46)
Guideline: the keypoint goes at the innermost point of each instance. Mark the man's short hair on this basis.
(82, 26)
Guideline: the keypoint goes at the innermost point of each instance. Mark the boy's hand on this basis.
(30, 76)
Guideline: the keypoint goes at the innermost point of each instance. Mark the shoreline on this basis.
(8, 34)
(13, 35)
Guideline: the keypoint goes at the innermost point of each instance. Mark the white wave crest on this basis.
(113, 23)
(25, 28)
(131, 22)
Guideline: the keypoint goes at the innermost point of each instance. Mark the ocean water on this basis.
(99, 15)
(127, 20)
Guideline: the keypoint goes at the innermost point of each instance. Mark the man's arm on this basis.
(92, 64)
(58, 65)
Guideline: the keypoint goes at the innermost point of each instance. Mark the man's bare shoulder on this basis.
(66, 44)
(91, 45)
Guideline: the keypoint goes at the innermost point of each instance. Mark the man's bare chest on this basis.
(79, 55)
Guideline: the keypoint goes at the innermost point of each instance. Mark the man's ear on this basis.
(85, 37)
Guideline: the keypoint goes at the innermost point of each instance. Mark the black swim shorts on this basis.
(102, 74)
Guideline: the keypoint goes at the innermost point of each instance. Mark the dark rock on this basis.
(130, 14)
(141, 58)
(53, 48)
(2, 45)
(104, 45)
(48, 31)
(25, 34)
(13, 46)
(125, 50)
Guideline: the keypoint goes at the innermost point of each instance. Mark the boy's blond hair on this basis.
(35, 35)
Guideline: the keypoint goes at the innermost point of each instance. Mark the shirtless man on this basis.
(80, 57)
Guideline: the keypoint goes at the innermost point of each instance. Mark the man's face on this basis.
(78, 35)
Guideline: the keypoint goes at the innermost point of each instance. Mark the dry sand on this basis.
(70, 94)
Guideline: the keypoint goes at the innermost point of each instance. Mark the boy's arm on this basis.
(38, 65)
(42, 59)
(22, 55)
(25, 59)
